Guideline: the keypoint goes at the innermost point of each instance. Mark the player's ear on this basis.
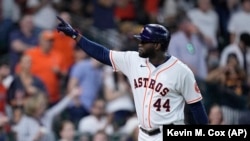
(157, 46)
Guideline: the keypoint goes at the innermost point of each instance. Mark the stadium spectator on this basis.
(231, 80)
(239, 22)
(105, 32)
(11, 10)
(130, 129)
(38, 118)
(6, 79)
(76, 110)
(22, 38)
(225, 9)
(146, 11)
(6, 25)
(104, 9)
(67, 131)
(124, 10)
(4, 123)
(47, 65)
(44, 13)
(100, 136)
(24, 83)
(80, 12)
(191, 49)
(206, 20)
(118, 96)
(241, 49)
(168, 13)
(4, 70)
(215, 115)
(126, 31)
(226, 86)
(79, 55)
(88, 75)
(231, 76)
(84, 137)
(97, 119)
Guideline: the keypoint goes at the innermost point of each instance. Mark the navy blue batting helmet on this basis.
(154, 33)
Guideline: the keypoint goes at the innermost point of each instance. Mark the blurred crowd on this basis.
(50, 90)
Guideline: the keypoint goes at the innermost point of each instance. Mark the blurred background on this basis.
(50, 90)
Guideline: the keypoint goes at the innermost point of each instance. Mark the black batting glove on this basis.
(66, 28)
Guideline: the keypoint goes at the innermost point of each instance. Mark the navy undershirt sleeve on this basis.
(95, 50)
(199, 113)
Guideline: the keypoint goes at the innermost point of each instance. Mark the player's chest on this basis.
(155, 80)
(146, 71)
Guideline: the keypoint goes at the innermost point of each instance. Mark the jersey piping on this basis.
(112, 61)
(153, 91)
(195, 100)
(145, 93)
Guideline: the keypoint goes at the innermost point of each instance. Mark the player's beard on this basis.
(142, 53)
(145, 53)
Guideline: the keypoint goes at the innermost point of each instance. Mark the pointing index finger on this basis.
(60, 19)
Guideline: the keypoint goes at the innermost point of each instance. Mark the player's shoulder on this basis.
(125, 52)
(181, 66)
(129, 54)
(133, 53)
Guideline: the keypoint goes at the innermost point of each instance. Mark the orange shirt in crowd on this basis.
(42, 67)
(65, 46)
(3, 92)
(125, 13)
(151, 6)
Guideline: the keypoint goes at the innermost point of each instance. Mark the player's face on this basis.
(145, 49)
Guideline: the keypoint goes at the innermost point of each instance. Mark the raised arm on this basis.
(93, 49)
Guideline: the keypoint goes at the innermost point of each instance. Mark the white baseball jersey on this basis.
(159, 92)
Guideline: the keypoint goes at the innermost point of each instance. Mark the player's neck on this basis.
(158, 60)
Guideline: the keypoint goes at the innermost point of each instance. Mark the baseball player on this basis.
(161, 83)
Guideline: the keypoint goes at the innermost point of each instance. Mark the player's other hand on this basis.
(66, 28)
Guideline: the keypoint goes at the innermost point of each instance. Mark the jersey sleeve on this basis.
(121, 61)
(189, 88)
